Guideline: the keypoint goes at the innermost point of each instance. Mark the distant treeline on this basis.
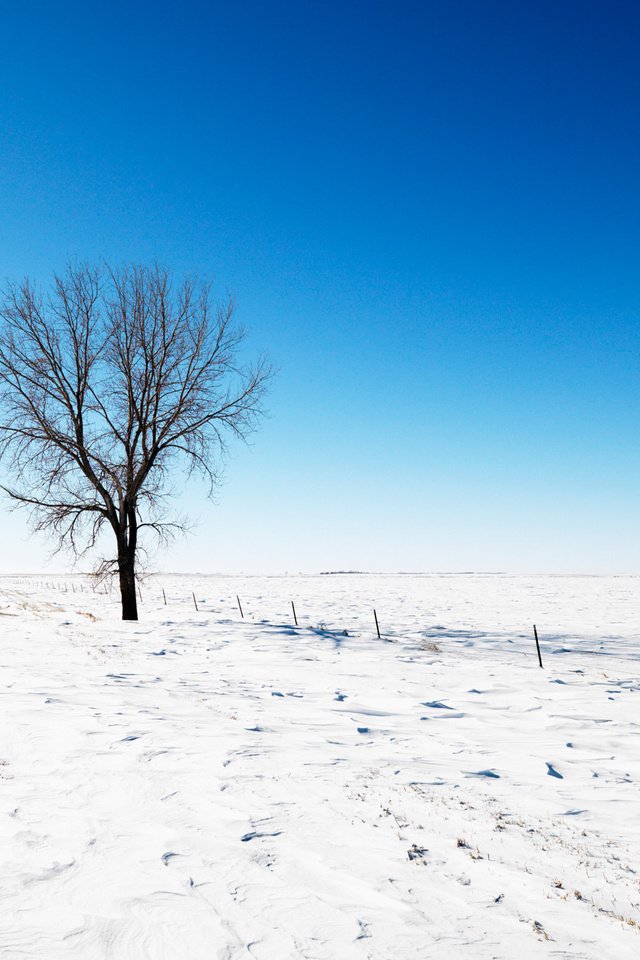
(333, 573)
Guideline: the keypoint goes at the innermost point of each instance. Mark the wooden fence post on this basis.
(535, 633)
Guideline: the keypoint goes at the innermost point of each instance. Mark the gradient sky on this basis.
(429, 215)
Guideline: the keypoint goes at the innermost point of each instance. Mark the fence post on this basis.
(535, 633)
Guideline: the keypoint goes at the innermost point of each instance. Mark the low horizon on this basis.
(334, 573)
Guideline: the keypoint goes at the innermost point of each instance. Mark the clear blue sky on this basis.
(429, 214)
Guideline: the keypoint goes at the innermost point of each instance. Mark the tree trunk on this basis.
(126, 571)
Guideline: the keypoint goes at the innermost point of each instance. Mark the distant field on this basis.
(198, 785)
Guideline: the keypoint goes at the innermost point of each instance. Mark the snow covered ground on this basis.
(197, 785)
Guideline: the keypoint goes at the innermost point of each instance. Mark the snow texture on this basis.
(197, 785)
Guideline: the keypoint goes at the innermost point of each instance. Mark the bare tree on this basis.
(109, 386)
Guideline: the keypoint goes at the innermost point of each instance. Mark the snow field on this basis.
(196, 785)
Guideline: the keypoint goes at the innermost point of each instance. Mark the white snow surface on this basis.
(196, 785)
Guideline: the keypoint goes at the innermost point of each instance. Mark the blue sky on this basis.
(428, 213)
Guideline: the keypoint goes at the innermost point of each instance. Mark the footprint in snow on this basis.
(552, 772)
